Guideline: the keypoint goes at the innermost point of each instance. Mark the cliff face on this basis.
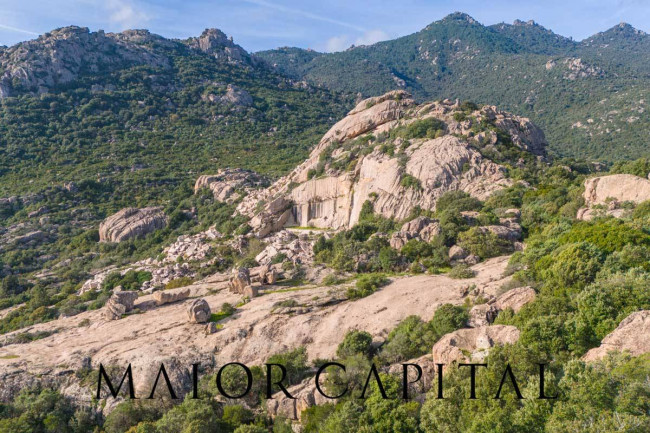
(398, 155)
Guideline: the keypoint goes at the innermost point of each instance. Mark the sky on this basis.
(331, 25)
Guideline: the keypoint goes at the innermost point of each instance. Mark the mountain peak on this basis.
(525, 23)
(459, 16)
(624, 28)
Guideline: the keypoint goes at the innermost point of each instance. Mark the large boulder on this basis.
(120, 303)
(632, 335)
(603, 195)
(515, 299)
(163, 297)
(472, 344)
(420, 228)
(240, 280)
(199, 311)
(131, 222)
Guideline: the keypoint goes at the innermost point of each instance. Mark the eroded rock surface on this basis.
(355, 162)
(130, 223)
(163, 297)
(199, 311)
(120, 303)
(604, 195)
(472, 344)
(229, 184)
(632, 335)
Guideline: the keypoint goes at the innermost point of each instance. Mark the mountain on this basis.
(588, 96)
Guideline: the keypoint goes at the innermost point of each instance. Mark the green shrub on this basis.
(131, 280)
(179, 282)
(355, 343)
(458, 201)
(483, 243)
(461, 272)
(411, 182)
(366, 285)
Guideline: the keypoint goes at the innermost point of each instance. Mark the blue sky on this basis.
(322, 25)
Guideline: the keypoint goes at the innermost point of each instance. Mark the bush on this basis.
(295, 361)
(413, 337)
(179, 282)
(411, 182)
(424, 128)
(366, 285)
(483, 243)
(355, 343)
(571, 266)
(458, 201)
(461, 271)
(131, 280)
(449, 318)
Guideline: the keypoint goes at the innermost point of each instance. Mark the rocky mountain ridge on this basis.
(398, 155)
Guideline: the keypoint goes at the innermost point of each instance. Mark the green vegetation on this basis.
(592, 113)
(366, 285)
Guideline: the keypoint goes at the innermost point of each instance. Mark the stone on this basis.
(163, 297)
(482, 315)
(632, 335)
(130, 223)
(210, 328)
(515, 299)
(420, 228)
(476, 342)
(284, 242)
(457, 253)
(267, 275)
(509, 234)
(250, 292)
(199, 311)
(63, 55)
(240, 280)
(120, 303)
(604, 194)
(472, 260)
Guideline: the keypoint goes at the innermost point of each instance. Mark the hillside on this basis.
(425, 233)
(590, 96)
(92, 122)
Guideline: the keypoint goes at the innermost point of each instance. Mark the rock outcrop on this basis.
(221, 47)
(632, 335)
(120, 303)
(420, 228)
(306, 395)
(604, 195)
(163, 297)
(229, 184)
(240, 280)
(130, 223)
(472, 344)
(295, 248)
(63, 55)
(515, 299)
(357, 160)
(199, 311)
